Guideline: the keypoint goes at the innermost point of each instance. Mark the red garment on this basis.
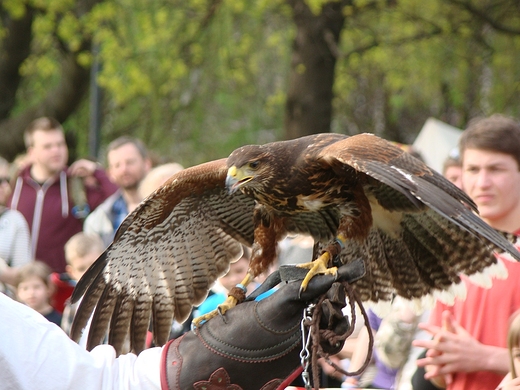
(485, 315)
(63, 288)
(48, 211)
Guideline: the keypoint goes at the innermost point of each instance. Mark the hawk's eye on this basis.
(254, 164)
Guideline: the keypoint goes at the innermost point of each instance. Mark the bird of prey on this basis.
(358, 197)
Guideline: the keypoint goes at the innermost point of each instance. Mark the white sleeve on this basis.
(21, 241)
(37, 354)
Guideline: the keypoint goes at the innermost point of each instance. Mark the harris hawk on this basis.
(358, 197)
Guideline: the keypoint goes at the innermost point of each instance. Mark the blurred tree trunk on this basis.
(309, 95)
(16, 47)
(60, 102)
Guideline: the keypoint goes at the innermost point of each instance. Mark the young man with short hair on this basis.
(43, 192)
(468, 349)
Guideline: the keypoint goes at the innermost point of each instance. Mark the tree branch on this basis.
(484, 16)
(395, 42)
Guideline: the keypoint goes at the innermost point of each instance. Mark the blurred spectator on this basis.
(128, 163)
(15, 244)
(393, 337)
(81, 251)
(35, 289)
(48, 193)
(511, 381)
(452, 170)
(19, 163)
(157, 177)
(468, 350)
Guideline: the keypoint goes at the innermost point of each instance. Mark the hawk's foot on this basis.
(317, 267)
(221, 309)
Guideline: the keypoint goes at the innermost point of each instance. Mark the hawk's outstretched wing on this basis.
(164, 258)
(424, 233)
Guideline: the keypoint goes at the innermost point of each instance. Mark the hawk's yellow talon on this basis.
(221, 309)
(317, 267)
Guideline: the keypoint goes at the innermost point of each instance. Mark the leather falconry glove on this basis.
(257, 344)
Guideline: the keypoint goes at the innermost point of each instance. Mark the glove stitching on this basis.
(293, 341)
(270, 329)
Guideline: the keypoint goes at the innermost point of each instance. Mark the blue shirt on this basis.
(119, 212)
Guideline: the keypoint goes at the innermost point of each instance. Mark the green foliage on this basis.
(202, 81)
(427, 59)
(15, 8)
(195, 79)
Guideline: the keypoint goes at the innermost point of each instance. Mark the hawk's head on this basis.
(250, 169)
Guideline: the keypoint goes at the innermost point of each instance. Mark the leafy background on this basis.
(195, 79)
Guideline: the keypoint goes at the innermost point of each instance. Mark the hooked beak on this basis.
(235, 179)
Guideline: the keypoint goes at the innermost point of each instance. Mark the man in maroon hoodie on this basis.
(43, 193)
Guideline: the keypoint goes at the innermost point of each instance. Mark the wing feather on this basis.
(120, 322)
(165, 257)
(140, 323)
(101, 318)
(321, 225)
(94, 291)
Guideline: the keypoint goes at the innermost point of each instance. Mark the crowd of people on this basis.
(55, 220)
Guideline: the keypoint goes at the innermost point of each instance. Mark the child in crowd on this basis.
(35, 289)
(512, 381)
(81, 251)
